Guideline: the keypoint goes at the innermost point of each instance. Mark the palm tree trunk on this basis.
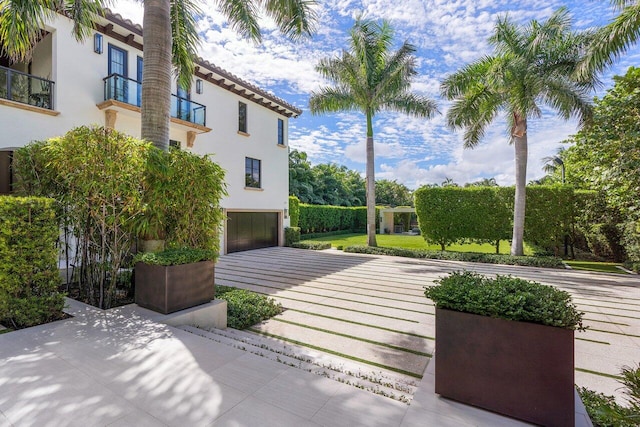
(371, 186)
(156, 73)
(520, 143)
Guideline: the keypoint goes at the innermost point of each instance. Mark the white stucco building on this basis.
(69, 84)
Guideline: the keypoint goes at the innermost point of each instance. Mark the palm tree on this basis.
(613, 40)
(370, 78)
(552, 163)
(171, 38)
(532, 66)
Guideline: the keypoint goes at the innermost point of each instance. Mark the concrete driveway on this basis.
(372, 308)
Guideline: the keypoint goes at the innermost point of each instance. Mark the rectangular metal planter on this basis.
(522, 370)
(167, 289)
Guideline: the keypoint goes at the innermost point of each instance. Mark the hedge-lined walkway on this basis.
(372, 308)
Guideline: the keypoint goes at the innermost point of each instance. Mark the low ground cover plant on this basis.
(506, 297)
(246, 308)
(550, 262)
(604, 411)
(316, 246)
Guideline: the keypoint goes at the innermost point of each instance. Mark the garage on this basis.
(251, 230)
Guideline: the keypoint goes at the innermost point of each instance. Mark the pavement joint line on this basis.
(604, 301)
(605, 321)
(368, 341)
(344, 292)
(363, 324)
(337, 353)
(612, 314)
(617, 333)
(594, 341)
(606, 306)
(602, 374)
(331, 297)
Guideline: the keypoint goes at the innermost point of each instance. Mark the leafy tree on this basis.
(170, 36)
(393, 193)
(369, 78)
(449, 182)
(605, 156)
(532, 66)
(484, 182)
(300, 176)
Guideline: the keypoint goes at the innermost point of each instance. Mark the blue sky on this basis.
(447, 34)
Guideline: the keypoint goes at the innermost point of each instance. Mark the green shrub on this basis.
(316, 246)
(327, 218)
(29, 276)
(604, 411)
(506, 297)
(294, 211)
(291, 235)
(527, 261)
(176, 256)
(311, 236)
(245, 308)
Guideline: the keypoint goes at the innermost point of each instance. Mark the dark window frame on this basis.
(252, 167)
(242, 117)
(125, 63)
(280, 132)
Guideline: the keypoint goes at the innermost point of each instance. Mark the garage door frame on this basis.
(280, 216)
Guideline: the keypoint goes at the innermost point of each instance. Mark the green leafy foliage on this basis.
(29, 276)
(325, 218)
(604, 411)
(245, 308)
(294, 211)
(316, 246)
(528, 261)
(291, 235)
(506, 297)
(392, 193)
(176, 256)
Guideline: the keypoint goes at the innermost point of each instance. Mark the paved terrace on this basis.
(123, 367)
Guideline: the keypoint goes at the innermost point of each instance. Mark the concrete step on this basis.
(382, 382)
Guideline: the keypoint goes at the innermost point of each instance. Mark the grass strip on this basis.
(606, 321)
(331, 297)
(611, 314)
(350, 309)
(602, 374)
(337, 353)
(368, 341)
(595, 341)
(363, 324)
(617, 333)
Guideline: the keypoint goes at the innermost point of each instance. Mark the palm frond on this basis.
(242, 16)
(295, 18)
(411, 104)
(330, 100)
(185, 40)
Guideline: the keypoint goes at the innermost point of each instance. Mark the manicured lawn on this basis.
(412, 242)
(602, 267)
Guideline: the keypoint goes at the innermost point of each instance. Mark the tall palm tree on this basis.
(370, 78)
(532, 66)
(171, 37)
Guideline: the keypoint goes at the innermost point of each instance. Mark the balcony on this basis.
(26, 89)
(122, 89)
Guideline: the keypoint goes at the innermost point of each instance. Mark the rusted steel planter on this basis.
(167, 289)
(522, 370)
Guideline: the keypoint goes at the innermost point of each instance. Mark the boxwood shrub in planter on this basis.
(506, 345)
(174, 279)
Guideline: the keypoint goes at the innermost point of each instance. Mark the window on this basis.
(280, 132)
(140, 65)
(175, 144)
(252, 173)
(183, 104)
(6, 172)
(118, 65)
(242, 117)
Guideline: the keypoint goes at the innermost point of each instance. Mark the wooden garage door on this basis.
(251, 230)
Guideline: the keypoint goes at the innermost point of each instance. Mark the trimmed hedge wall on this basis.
(452, 214)
(29, 276)
(325, 218)
(291, 235)
(294, 211)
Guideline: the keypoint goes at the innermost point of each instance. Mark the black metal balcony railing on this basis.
(26, 88)
(123, 89)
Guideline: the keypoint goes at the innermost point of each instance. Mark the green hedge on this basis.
(452, 214)
(245, 308)
(527, 261)
(506, 297)
(294, 211)
(29, 276)
(326, 218)
(291, 235)
(176, 256)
